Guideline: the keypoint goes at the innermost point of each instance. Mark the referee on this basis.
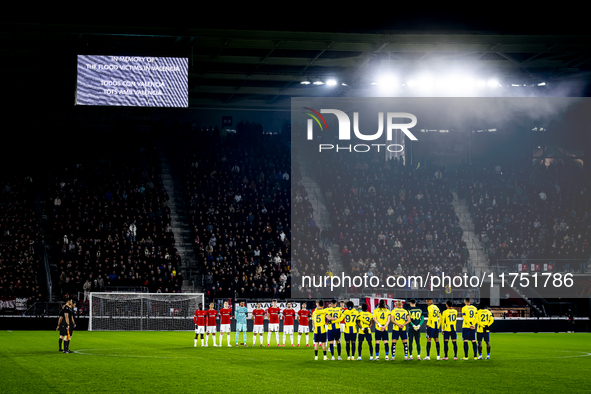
(65, 323)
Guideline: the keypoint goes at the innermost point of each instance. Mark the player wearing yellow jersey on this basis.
(381, 316)
(484, 318)
(350, 329)
(400, 318)
(432, 327)
(334, 316)
(343, 308)
(448, 325)
(365, 321)
(469, 327)
(319, 325)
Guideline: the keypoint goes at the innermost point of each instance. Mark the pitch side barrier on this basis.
(501, 325)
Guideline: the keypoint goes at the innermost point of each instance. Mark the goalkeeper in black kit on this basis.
(414, 328)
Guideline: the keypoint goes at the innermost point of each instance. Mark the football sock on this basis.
(339, 348)
(466, 349)
(474, 348)
(370, 348)
(455, 349)
(488, 349)
(332, 349)
(284, 338)
(324, 352)
(291, 338)
(480, 349)
(277, 337)
(445, 348)
(410, 347)
(61, 340)
(201, 341)
(316, 352)
(405, 351)
(393, 349)
(66, 345)
(437, 347)
(418, 348)
(353, 349)
(428, 349)
(377, 349)
(269, 338)
(360, 348)
(228, 340)
(307, 339)
(348, 349)
(254, 339)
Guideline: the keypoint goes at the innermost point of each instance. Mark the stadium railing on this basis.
(581, 266)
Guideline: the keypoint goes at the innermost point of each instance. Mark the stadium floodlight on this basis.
(481, 83)
(514, 84)
(305, 82)
(425, 82)
(143, 311)
(542, 84)
(412, 83)
(331, 82)
(492, 83)
(318, 83)
(387, 82)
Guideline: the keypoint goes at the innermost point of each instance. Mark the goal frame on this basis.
(134, 293)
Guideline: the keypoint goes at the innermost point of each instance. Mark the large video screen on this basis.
(132, 81)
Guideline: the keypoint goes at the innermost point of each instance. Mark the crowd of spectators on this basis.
(238, 199)
(542, 214)
(387, 218)
(110, 222)
(21, 273)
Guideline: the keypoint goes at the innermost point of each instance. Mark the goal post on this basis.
(143, 311)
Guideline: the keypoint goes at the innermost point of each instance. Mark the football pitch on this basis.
(167, 362)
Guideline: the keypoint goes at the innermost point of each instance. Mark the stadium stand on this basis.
(110, 222)
(238, 200)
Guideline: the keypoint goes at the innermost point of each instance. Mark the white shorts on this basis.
(225, 328)
(200, 330)
(274, 327)
(288, 330)
(303, 329)
(211, 329)
(258, 329)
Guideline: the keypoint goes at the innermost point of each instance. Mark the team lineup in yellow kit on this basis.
(405, 324)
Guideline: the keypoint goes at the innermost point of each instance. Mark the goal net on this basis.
(143, 311)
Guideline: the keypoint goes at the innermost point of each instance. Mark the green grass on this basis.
(163, 362)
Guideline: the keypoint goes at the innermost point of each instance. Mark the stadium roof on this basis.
(251, 68)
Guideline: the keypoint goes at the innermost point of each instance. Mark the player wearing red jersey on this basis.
(288, 317)
(304, 327)
(211, 324)
(225, 321)
(258, 315)
(199, 323)
(273, 316)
